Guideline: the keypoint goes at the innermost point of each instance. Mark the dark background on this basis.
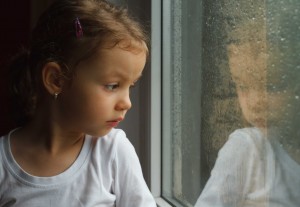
(14, 33)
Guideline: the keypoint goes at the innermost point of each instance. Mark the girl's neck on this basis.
(57, 146)
(43, 155)
(43, 130)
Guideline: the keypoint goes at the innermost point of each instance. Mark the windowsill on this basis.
(161, 202)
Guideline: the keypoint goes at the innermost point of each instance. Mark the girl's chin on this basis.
(99, 133)
(259, 123)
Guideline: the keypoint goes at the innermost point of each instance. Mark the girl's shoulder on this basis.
(113, 144)
(112, 139)
(248, 136)
(3, 151)
(3, 140)
(243, 142)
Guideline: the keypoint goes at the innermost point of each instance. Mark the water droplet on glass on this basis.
(297, 97)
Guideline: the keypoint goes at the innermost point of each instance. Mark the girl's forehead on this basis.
(248, 63)
(115, 61)
(253, 61)
(111, 49)
(127, 43)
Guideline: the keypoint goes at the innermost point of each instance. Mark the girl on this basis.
(73, 88)
(254, 167)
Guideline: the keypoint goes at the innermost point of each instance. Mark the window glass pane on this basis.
(231, 102)
(181, 93)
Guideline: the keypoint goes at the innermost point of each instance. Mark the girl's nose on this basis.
(124, 103)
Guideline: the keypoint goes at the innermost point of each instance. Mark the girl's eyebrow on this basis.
(120, 74)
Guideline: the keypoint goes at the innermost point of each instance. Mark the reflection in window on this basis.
(231, 100)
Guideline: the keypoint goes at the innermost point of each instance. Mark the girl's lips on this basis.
(114, 123)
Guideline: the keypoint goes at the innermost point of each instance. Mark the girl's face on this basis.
(248, 67)
(98, 97)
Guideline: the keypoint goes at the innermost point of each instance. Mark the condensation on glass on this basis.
(231, 103)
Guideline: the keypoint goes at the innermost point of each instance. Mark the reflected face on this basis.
(98, 98)
(248, 67)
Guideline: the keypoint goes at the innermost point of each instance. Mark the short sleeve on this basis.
(130, 186)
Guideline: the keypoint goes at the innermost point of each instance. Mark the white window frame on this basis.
(156, 102)
(160, 58)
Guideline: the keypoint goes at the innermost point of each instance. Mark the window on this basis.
(181, 84)
(230, 78)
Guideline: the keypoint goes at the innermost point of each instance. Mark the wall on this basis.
(14, 34)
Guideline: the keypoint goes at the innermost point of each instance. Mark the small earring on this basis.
(55, 96)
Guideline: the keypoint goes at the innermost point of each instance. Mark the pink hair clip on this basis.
(78, 28)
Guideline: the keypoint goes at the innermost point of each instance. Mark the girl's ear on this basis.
(52, 78)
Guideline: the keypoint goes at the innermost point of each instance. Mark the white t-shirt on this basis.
(252, 171)
(106, 173)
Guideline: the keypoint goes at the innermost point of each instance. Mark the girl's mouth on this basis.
(114, 123)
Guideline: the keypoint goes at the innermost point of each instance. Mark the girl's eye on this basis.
(111, 87)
